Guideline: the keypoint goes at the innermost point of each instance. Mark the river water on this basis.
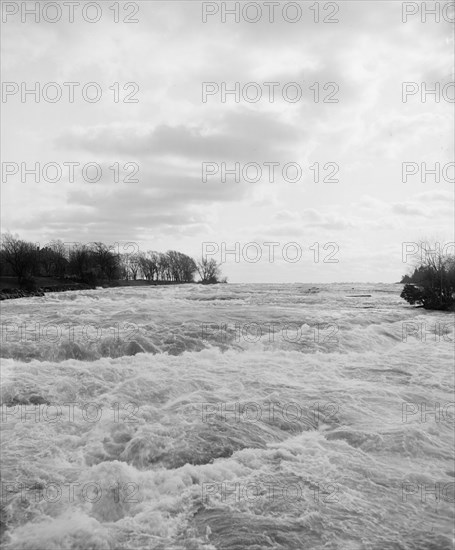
(227, 417)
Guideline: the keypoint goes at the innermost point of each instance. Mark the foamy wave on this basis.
(209, 441)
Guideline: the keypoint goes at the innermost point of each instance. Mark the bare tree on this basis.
(181, 266)
(79, 260)
(60, 257)
(105, 260)
(209, 270)
(164, 268)
(52, 259)
(188, 267)
(21, 256)
(134, 265)
(124, 267)
(433, 280)
(149, 264)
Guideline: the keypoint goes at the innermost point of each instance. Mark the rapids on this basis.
(227, 417)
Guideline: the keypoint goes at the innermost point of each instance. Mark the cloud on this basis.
(170, 53)
(436, 196)
(246, 136)
(409, 210)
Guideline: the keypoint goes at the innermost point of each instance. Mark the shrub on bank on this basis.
(28, 284)
(432, 285)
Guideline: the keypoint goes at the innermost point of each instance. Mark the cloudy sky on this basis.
(170, 132)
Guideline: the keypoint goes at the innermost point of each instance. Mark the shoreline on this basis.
(15, 292)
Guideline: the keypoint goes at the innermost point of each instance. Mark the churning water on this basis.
(227, 417)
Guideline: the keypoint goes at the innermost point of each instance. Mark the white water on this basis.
(343, 462)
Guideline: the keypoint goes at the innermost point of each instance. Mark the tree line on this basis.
(95, 262)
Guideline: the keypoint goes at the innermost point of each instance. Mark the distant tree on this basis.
(52, 259)
(188, 267)
(123, 267)
(432, 284)
(181, 267)
(149, 264)
(164, 267)
(134, 266)
(20, 255)
(46, 261)
(80, 260)
(209, 271)
(174, 268)
(105, 260)
(60, 257)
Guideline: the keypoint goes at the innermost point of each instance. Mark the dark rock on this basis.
(38, 400)
(133, 347)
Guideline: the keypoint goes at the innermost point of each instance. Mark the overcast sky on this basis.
(170, 132)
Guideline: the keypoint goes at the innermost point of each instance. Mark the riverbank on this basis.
(11, 290)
